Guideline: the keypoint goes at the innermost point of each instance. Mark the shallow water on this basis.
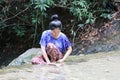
(99, 66)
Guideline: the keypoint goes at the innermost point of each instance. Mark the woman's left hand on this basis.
(60, 60)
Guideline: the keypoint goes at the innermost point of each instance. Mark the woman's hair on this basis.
(55, 23)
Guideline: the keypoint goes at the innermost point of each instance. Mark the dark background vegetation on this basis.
(23, 21)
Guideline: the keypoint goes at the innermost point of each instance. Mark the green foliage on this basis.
(35, 20)
(106, 16)
(80, 9)
(1, 1)
(81, 25)
(33, 15)
(63, 2)
(20, 30)
(40, 8)
(2, 25)
(90, 18)
(42, 5)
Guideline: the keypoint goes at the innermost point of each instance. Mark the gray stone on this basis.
(25, 57)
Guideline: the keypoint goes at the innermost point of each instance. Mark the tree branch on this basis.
(15, 25)
(19, 18)
(17, 14)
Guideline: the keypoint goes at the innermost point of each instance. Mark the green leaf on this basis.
(104, 15)
(80, 25)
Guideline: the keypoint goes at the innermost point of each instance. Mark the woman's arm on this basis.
(69, 50)
(45, 55)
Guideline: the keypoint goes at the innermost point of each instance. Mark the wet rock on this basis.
(25, 57)
(102, 48)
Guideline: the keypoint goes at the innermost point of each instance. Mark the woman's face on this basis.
(56, 32)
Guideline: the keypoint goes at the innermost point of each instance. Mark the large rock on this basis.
(26, 57)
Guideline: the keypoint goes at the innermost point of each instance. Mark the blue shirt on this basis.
(62, 42)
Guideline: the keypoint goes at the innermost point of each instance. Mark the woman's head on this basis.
(55, 23)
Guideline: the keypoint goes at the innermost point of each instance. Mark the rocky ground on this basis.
(101, 66)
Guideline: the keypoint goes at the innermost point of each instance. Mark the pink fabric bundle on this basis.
(53, 53)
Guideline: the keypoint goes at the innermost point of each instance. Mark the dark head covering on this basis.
(55, 23)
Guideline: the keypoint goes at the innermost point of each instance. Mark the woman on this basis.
(53, 44)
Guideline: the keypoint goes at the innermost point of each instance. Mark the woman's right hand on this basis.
(49, 62)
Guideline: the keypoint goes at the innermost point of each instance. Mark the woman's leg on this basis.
(53, 53)
(38, 60)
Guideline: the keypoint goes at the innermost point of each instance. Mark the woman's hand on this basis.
(49, 62)
(66, 54)
(60, 60)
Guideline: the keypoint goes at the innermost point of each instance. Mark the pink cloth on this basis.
(38, 60)
(53, 53)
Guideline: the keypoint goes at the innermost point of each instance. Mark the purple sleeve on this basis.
(43, 39)
(66, 43)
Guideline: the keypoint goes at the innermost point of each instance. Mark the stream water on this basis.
(99, 66)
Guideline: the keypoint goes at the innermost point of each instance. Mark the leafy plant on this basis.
(20, 30)
(80, 9)
(2, 25)
(42, 6)
(106, 15)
